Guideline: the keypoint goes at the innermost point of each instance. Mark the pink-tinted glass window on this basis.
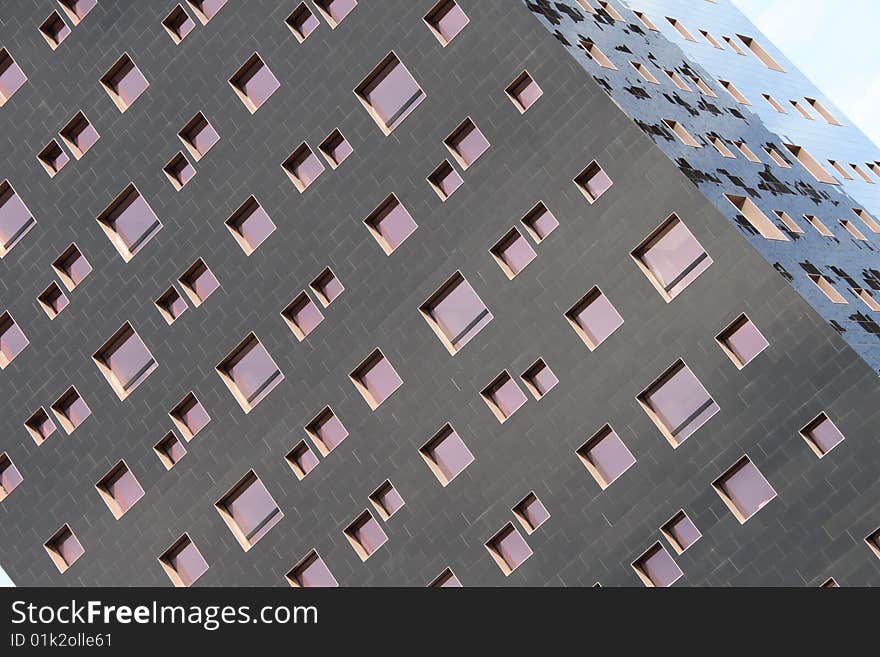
(510, 545)
(126, 80)
(133, 220)
(73, 265)
(304, 165)
(659, 566)
(458, 311)
(180, 169)
(15, 218)
(327, 287)
(449, 453)
(128, 358)
(10, 477)
(446, 579)
(79, 8)
(67, 545)
(608, 454)
(505, 394)
(674, 257)
(336, 148)
(747, 488)
(53, 156)
(81, 133)
(11, 76)
(447, 19)
(73, 407)
(524, 91)
(540, 222)
(445, 180)
(179, 22)
(54, 299)
(680, 402)
(468, 143)
(191, 414)
(514, 251)
(304, 314)
(391, 92)
(540, 378)
(200, 280)
(208, 8)
(302, 21)
(199, 134)
(12, 338)
(337, 9)
(314, 573)
(593, 181)
(744, 340)
(187, 562)
(379, 377)
(874, 541)
(368, 533)
(253, 371)
(122, 486)
(41, 425)
(682, 529)
(256, 81)
(172, 448)
(172, 303)
(532, 512)
(388, 499)
(252, 223)
(303, 458)
(823, 433)
(596, 317)
(328, 429)
(393, 222)
(252, 509)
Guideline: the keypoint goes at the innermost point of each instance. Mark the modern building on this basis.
(405, 293)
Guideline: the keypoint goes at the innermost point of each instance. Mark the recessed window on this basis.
(681, 29)
(512, 253)
(508, 548)
(302, 316)
(610, 10)
(711, 39)
(178, 24)
(873, 541)
(40, 426)
(445, 180)
(456, 313)
(446, 579)
(16, 220)
(827, 288)
(869, 221)
(503, 396)
(775, 104)
(822, 435)
(446, 19)
(681, 132)
(733, 91)
(760, 53)
(335, 148)
(647, 22)
(681, 532)
(334, 11)
(868, 298)
(756, 219)
(249, 510)
(64, 548)
(531, 513)
(250, 225)
(823, 111)
(53, 300)
(76, 10)
(120, 489)
(853, 230)
(820, 227)
(539, 379)
(605, 456)
(53, 158)
(801, 110)
(446, 455)
(466, 143)
(205, 10)
(189, 416)
(171, 305)
(744, 489)
(788, 222)
(124, 82)
(71, 410)
(12, 340)
(302, 167)
(250, 373)
(254, 83)
(523, 91)
(311, 571)
(671, 258)
(677, 80)
(79, 135)
(10, 477)
(386, 500)
(198, 135)
(389, 93)
(199, 282)
(678, 403)
(376, 379)
(777, 157)
(720, 146)
(183, 563)
(594, 318)
(742, 341)
(830, 583)
(365, 535)
(326, 431)
(810, 164)
(302, 22)
(390, 223)
(179, 171)
(733, 46)
(645, 72)
(301, 459)
(593, 182)
(11, 76)
(326, 287)
(657, 568)
(129, 222)
(54, 30)
(862, 174)
(596, 54)
(875, 167)
(743, 148)
(169, 450)
(540, 222)
(125, 361)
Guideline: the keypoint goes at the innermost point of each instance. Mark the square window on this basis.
(390, 223)
(120, 489)
(873, 542)
(593, 182)
(249, 510)
(386, 500)
(199, 282)
(446, 19)
(365, 535)
(12, 340)
(742, 341)
(594, 318)
(755, 218)
(872, 224)
(250, 373)
(183, 563)
(376, 379)
(250, 225)
(681, 532)
(512, 253)
(171, 305)
(539, 379)
(129, 222)
(466, 143)
(816, 223)
(523, 92)
(10, 477)
(678, 403)
(596, 54)
(125, 361)
(53, 158)
(531, 513)
(64, 548)
(124, 82)
(508, 548)
(311, 572)
(326, 287)
(302, 167)
(40, 426)
(503, 396)
(744, 489)
(389, 93)
(830, 583)
(254, 83)
(677, 80)
(301, 459)
(189, 416)
(610, 10)
(853, 230)
(822, 435)
(605, 456)
(656, 567)
(178, 24)
(334, 11)
(335, 149)
(681, 132)
(868, 298)
(76, 10)
(11, 76)
(827, 288)
(445, 180)
(205, 10)
(179, 171)
(53, 300)
(803, 156)
(455, 313)
(199, 136)
(169, 450)
(446, 579)
(302, 316)
(645, 72)
(302, 22)
(79, 135)
(16, 220)
(540, 222)
(326, 431)
(71, 410)
(446, 455)
(671, 258)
